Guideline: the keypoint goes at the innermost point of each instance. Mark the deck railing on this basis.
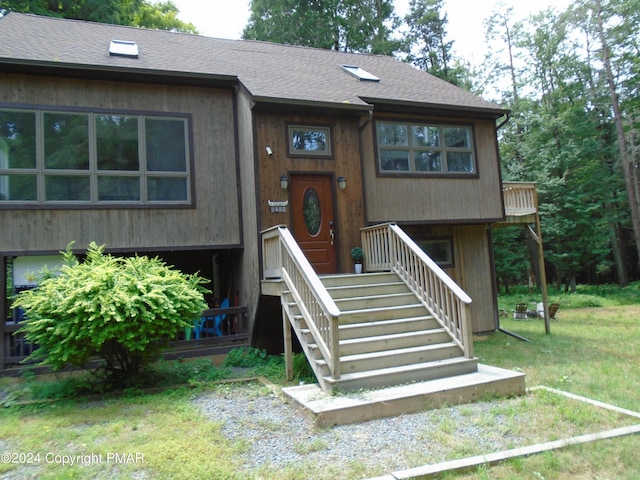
(235, 331)
(283, 259)
(520, 198)
(388, 247)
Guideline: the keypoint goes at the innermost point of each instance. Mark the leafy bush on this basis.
(123, 310)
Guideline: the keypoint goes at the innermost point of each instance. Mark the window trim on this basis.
(412, 173)
(326, 129)
(142, 173)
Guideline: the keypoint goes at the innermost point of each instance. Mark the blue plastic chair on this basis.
(217, 322)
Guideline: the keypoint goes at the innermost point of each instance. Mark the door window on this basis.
(312, 211)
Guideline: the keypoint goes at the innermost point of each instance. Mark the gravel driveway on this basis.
(278, 435)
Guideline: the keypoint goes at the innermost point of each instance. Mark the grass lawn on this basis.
(592, 352)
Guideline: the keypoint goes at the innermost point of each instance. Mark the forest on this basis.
(569, 78)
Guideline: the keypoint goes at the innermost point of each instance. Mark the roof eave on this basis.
(419, 107)
(109, 72)
(264, 101)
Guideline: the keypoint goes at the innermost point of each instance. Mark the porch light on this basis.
(284, 182)
(342, 183)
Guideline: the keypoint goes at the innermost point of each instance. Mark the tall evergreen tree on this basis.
(364, 26)
(427, 46)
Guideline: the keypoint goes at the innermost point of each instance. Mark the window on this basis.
(440, 250)
(405, 148)
(93, 158)
(306, 141)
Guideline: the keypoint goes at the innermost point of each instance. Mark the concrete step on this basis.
(338, 408)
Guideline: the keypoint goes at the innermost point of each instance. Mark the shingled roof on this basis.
(270, 72)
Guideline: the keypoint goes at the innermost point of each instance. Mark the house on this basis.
(194, 149)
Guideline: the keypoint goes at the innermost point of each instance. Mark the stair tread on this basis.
(390, 336)
(364, 285)
(376, 297)
(392, 321)
(382, 309)
(397, 351)
(402, 368)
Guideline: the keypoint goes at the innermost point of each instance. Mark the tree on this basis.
(600, 17)
(512, 262)
(427, 46)
(561, 139)
(363, 26)
(136, 13)
(122, 310)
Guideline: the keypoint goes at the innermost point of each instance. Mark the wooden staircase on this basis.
(387, 336)
(394, 340)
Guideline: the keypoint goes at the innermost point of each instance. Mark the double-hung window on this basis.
(424, 149)
(62, 157)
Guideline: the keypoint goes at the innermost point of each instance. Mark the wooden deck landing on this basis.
(339, 409)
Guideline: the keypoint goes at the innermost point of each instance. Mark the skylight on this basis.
(360, 73)
(123, 48)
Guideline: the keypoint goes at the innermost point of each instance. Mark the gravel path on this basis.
(278, 435)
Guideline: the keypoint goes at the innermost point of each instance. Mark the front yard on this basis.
(592, 352)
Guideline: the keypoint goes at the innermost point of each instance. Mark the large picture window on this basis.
(49, 157)
(412, 148)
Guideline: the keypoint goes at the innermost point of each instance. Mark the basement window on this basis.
(440, 249)
(360, 73)
(123, 48)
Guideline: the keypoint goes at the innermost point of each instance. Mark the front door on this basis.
(313, 222)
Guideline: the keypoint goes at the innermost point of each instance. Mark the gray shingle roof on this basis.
(270, 72)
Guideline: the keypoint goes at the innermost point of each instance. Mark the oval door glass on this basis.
(312, 212)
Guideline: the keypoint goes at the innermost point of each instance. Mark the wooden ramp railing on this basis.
(388, 247)
(283, 259)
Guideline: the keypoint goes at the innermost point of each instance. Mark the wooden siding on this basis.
(246, 272)
(214, 220)
(349, 208)
(472, 268)
(431, 199)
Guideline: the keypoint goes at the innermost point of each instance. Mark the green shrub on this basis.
(122, 310)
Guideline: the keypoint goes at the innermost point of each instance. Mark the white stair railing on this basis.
(388, 247)
(283, 259)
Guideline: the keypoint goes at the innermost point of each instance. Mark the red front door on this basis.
(313, 223)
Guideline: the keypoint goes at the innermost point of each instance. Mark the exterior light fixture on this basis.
(342, 183)
(284, 182)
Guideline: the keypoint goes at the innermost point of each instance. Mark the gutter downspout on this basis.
(500, 329)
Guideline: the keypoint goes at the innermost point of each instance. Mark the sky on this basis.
(227, 18)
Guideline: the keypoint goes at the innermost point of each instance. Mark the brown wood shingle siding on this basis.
(212, 221)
